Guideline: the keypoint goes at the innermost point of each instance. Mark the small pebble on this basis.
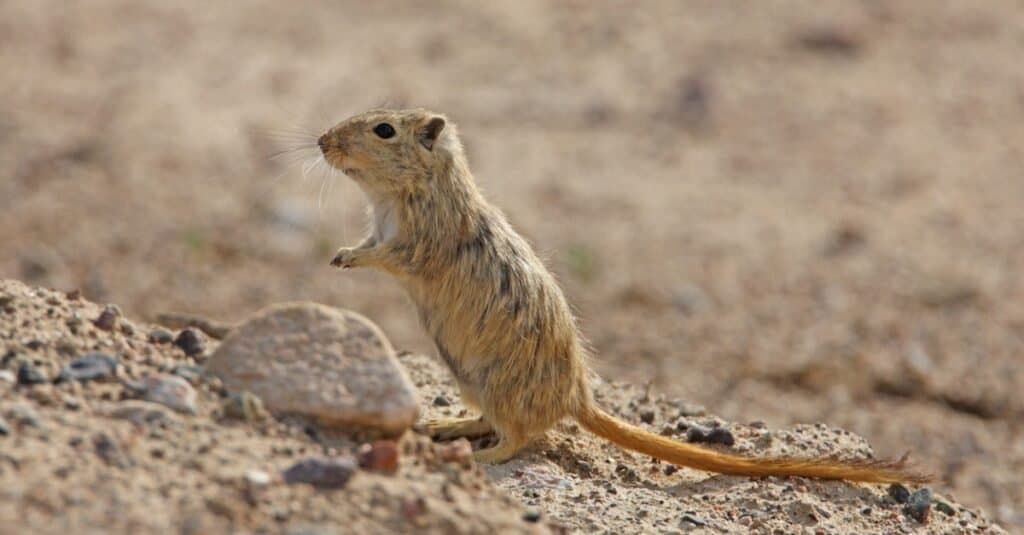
(89, 367)
(693, 519)
(717, 435)
(458, 451)
(243, 406)
(647, 417)
(7, 376)
(4, 428)
(945, 508)
(215, 384)
(188, 372)
(256, 482)
(143, 413)
(29, 375)
(626, 473)
(919, 505)
(531, 516)
(329, 473)
(380, 456)
(899, 493)
(441, 401)
(670, 469)
(413, 508)
(585, 469)
(191, 342)
(765, 440)
(23, 415)
(159, 335)
(44, 395)
(74, 322)
(171, 391)
(108, 450)
(256, 478)
(108, 318)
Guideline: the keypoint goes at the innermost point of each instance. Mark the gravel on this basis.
(329, 473)
(89, 367)
(899, 493)
(107, 319)
(171, 391)
(159, 335)
(191, 341)
(919, 505)
(30, 375)
(714, 435)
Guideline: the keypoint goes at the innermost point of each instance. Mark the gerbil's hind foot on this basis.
(344, 258)
(503, 451)
(452, 428)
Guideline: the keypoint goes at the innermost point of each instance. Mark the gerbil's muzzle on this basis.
(322, 143)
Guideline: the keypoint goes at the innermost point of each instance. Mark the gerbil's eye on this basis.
(384, 130)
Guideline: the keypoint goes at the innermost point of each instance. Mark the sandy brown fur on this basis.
(496, 314)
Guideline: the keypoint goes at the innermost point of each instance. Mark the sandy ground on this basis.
(783, 212)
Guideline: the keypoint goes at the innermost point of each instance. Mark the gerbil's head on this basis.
(386, 151)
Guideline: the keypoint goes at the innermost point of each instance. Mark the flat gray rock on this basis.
(333, 367)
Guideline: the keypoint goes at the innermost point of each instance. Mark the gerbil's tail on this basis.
(680, 453)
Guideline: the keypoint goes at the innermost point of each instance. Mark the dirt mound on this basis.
(87, 449)
(86, 456)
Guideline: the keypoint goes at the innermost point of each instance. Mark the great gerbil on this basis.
(499, 319)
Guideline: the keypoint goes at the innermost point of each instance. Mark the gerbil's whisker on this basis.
(324, 181)
(308, 167)
(285, 137)
(289, 158)
(329, 171)
(295, 143)
(293, 130)
(296, 153)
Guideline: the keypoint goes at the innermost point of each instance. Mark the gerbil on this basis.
(499, 319)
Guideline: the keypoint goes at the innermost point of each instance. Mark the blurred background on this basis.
(784, 211)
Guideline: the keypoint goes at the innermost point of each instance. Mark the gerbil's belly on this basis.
(497, 346)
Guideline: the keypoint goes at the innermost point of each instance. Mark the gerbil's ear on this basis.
(428, 133)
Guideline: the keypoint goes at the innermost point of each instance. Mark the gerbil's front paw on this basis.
(344, 258)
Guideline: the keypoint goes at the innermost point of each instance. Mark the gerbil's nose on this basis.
(322, 142)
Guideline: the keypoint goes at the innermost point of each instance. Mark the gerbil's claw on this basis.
(452, 428)
(342, 259)
(503, 451)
